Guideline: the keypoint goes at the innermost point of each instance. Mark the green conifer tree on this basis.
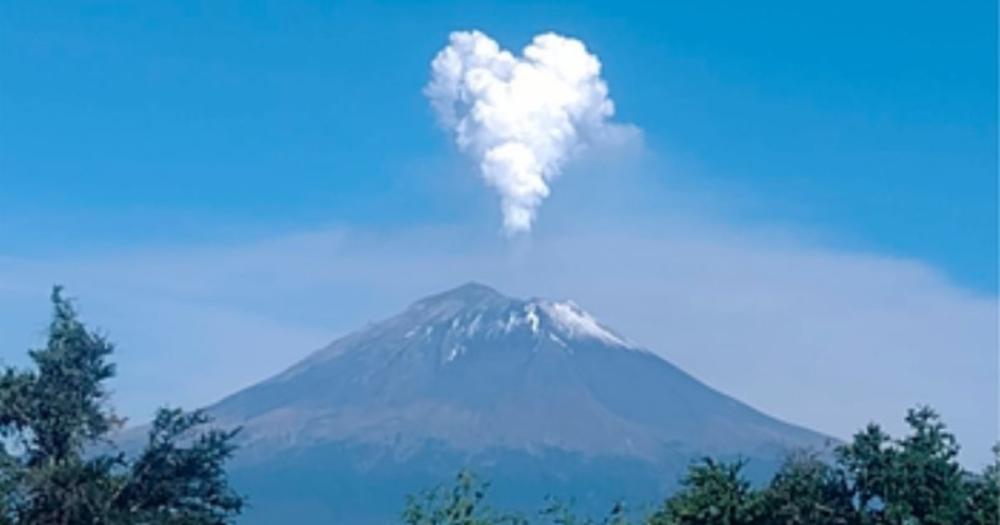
(712, 493)
(55, 426)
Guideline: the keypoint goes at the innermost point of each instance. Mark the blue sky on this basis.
(122, 121)
(859, 130)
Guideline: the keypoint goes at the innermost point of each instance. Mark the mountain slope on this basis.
(536, 392)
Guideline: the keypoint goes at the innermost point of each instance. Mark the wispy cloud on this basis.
(829, 339)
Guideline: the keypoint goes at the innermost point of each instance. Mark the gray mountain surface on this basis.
(535, 394)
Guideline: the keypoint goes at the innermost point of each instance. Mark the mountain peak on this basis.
(481, 308)
(471, 289)
(469, 293)
(472, 378)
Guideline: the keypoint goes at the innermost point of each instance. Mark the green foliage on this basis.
(916, 479)
(62, 406)
(560, 512)
(868, 461)
(715, 493)
(461, 504)
(173, 484)
(465, 503)
(54, 420)
(982, 493)
(872, 480)
(807, 491)
(927, 479)
(9, 478)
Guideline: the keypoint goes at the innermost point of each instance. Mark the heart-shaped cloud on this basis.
(519, 117)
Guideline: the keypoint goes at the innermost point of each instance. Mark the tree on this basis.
(867, 462)
(561, 512)
(916, 479)
(712, 493)
(926, 482)
(464, 503)
(807, 491)
(55, 419)
(8, 481)
(982, 493)
(168, 483)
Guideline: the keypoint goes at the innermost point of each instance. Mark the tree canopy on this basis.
(871, 480)
(59, 465)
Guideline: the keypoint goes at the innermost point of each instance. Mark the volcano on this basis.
(534, 394)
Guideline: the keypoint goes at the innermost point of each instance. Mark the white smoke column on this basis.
(521, 118)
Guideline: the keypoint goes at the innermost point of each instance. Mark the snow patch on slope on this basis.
(532, 318)
(528, 315)
(578, 323)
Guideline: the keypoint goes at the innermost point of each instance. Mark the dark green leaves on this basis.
(807, 491)
(54, 418)
(872, 480)
(464, 503)
(713, 492)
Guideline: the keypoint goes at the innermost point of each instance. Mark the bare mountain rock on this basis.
(536, 394)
